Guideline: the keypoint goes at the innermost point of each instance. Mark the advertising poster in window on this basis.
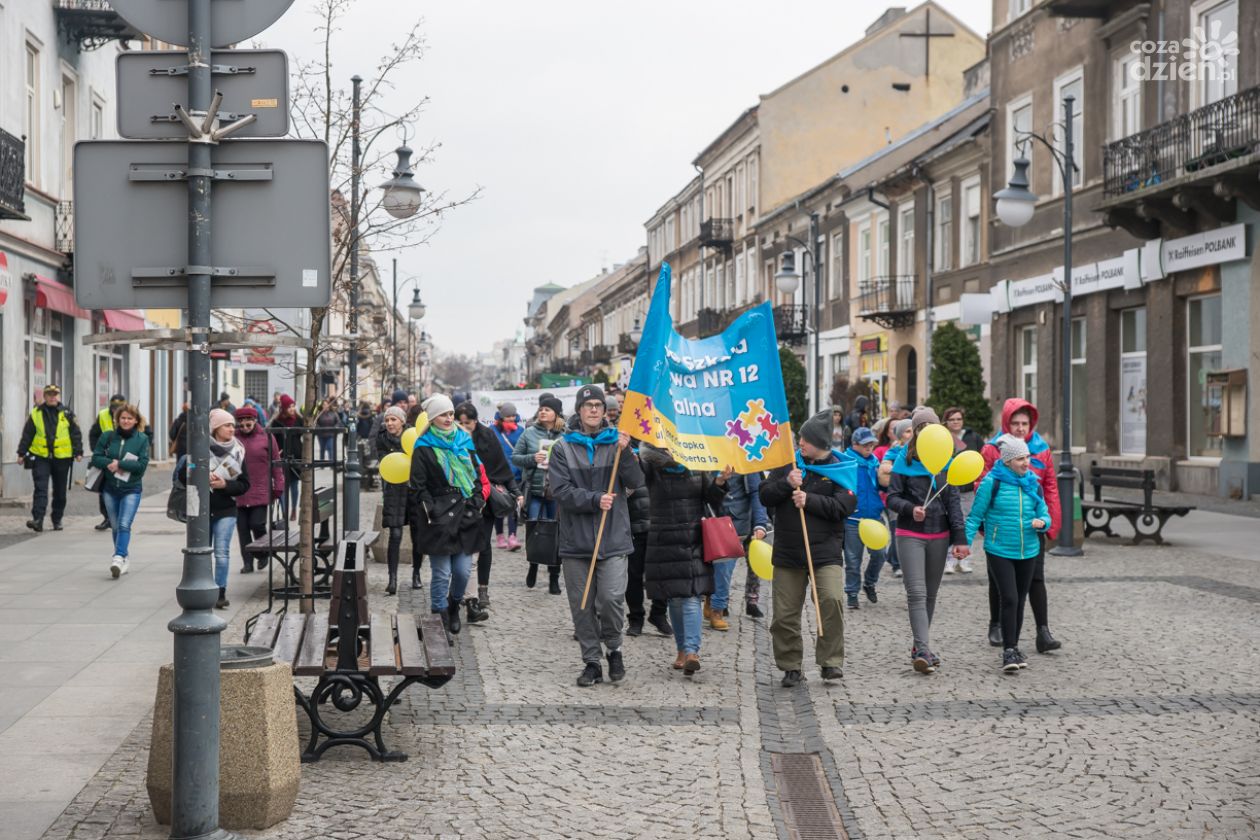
(1133, 405)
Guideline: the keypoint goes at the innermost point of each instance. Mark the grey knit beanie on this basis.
(1012, 448)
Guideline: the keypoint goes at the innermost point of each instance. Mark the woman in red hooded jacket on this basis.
(1019, 418)
(261, 454)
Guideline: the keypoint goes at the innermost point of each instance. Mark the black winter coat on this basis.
(396, 499)
(827, 505)
(906, 492)
(450, 523)
(289, 442)
(640, 503)
(490, 451)
(674, 565)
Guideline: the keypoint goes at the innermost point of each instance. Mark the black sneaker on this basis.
(869, 589)
(616, 667)
(831, 673)
(853, 602)
(35, 525)
(634, 627)
(1010, 661)
(57, 526)
(103, 525)
(531, 577)
(553, 586)
(591, 674)
(753, 611)
(995, 635)
(1020, 658)
(662, 625)
(791, 679)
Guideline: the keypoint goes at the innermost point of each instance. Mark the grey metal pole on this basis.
(1066, 475)
(197, 630)
(350, 491)
(815, 258)
(394, 324)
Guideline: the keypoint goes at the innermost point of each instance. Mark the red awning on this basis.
(126, 320)
(58, 297)
(6, 279)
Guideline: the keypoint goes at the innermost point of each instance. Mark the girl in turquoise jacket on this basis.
(1010, 508)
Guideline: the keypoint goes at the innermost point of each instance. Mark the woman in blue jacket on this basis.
(870, 505)
(1010, 506)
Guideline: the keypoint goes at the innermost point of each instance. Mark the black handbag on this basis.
(501, 502)
(542, 542)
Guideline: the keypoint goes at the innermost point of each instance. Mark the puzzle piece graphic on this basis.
(770, 427)
(638, 413)
(757, 447)
(646, 427)
(647, 403)
(749, 418)
(737, 431)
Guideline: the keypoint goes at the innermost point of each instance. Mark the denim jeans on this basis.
(121, 507)
(684, 614)
(289, 501)
(893, 560)
(853, 548)
(448, 578)
(222, 530)
(723, 571)
(327, 447)
(540, 508)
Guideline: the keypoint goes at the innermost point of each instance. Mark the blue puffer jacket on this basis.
(1007, 514)
(869, 503)
(743, 504)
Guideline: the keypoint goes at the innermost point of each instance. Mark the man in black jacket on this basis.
(50, 443)
(826, 506)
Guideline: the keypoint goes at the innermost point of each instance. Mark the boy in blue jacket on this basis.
(869, 506)
(1010, 506)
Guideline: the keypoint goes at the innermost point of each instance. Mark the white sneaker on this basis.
(964, 566)
(949, 567)
(897, 572)
(118, 567)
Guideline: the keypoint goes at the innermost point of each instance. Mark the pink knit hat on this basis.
(219, 417)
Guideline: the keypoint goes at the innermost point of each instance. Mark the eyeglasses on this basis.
(592, 405)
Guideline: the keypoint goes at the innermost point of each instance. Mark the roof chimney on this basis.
(889, 15)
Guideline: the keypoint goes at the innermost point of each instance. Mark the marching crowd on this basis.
(582, 490)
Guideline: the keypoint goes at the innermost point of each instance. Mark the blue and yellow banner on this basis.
(712, 402)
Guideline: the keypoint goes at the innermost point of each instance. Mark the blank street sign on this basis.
(270, 234)
(148, 92)
(231, 21)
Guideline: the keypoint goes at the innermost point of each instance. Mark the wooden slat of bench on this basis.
(411, 659)
(436, 649)
(310, 661)
(384, 660)
(264, 634)
(289, 638)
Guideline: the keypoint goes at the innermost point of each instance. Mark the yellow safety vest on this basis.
(62, 448)
(105, 420)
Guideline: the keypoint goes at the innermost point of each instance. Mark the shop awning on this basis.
(58, 297)
(125, 320)
(6, 279)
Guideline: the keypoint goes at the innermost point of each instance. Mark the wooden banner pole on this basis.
(599, 535)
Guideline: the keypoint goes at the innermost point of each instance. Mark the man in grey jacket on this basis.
(580, 468)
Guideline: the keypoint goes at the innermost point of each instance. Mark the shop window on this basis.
(1133, 381)
(1028, 364)
(1203, 409)
(1080, 384)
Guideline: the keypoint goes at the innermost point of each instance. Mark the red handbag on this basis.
(720, 540)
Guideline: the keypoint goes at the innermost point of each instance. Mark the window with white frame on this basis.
(905, 241)
(69, 132)
(1027, 338)
(30, 114)
(835, 275)
(1217, 68)
(944, 233)
(1015, 8)
(110, 361)
(1126, 100)
(1133, 381)
(96, 123)
(884, 253)
(730, 299)
(739, 191)
(1080, 384)
(1203, 410)
(752, 273)
(44, 349)
(741, 291)
(864, 257)
(971, 229)
(1018, 123)
(1071, 84)
(752, 186)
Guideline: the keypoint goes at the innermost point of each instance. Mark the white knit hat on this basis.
(438, 404)
(1011, 448)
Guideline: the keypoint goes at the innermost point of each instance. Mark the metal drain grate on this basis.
(809, 811)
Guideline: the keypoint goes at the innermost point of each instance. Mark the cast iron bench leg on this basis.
(346, 691)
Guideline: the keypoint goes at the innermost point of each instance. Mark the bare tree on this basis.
(456, 370)
(322, 109)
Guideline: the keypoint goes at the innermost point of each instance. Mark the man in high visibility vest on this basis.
(51, 443)
(104, 422)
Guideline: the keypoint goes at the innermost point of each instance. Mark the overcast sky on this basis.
(577, 119)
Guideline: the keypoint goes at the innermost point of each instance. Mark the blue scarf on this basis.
(1036, 443)
(842, 471)
(607, 435)
(454, 450)
(1027, 482)
(891, 453)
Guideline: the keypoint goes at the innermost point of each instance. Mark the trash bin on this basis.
(259, 754)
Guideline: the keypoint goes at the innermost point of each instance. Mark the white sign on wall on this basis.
(1208, 248)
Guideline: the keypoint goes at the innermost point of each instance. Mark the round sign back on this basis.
(231, 21)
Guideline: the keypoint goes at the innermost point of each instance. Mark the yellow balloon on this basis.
(935, 447)
(409, 438)
(874, 534)
(422, 422)
(759, 552)
(395, 468)
(965, 468)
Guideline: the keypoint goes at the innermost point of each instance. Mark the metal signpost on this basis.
(131, 250)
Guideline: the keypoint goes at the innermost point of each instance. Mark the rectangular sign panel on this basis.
(269, 233)
(148, 92)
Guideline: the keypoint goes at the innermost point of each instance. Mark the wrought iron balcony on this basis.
(710, 321)
(1101, 9)
(92, 23)
(625, 344)
(888, 301)
(565, 365)
(12, 177)
(791, 323)
(585, 357)
(64, 222)
(601, 354)
(717, 233)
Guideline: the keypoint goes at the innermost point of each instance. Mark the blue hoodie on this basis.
(869, 503)
(1007, 513)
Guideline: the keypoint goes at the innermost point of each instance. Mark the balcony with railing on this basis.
(92, 23)
(12, 177)
(888, 301)
(601, 354)
(626, 344)
(1187, 170)
(710, 321)
(64, 226)
(791, 324)
(717, 233)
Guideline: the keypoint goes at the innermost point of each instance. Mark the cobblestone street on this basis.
(1146, 724)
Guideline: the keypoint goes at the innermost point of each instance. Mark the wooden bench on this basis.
(349, 650)
(1147, 518)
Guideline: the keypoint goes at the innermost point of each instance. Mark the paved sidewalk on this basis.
(1147, 724)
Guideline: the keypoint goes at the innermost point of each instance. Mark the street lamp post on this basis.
(1015, 207)
(788, 281)
(415, 311)
(401, 199)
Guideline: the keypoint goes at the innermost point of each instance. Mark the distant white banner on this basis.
(526, 402)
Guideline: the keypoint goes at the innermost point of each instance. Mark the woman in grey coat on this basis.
(531, 457)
